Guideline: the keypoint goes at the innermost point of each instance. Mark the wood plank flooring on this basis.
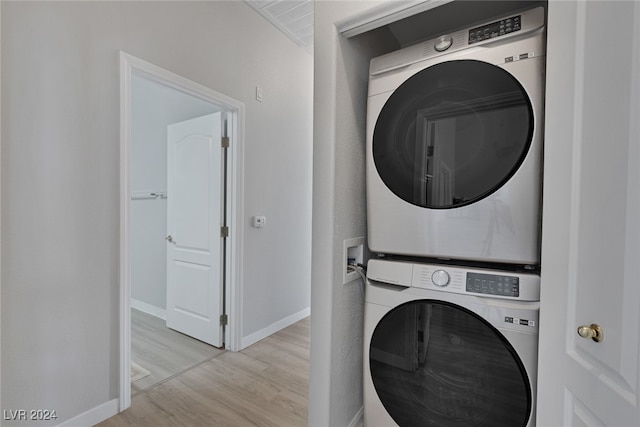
(163, 351)
(266, 384)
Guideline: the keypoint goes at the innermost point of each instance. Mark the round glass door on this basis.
(436, 364)
(452, 134)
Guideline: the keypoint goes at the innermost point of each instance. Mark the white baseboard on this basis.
(273, 328)
(93, 416)
(358, 419)
(149, 309)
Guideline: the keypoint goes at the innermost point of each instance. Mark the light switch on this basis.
(258, 93)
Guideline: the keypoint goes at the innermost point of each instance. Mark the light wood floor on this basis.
(266, 384)
(163, 351)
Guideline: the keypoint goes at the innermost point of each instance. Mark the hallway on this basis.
(265, 384)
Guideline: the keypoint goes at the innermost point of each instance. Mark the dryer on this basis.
(454, 144)
(446, 346)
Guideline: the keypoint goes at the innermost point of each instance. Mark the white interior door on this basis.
(194, 219)
(591, 217)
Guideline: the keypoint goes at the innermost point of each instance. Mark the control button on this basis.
(443, 43)
(440, 278)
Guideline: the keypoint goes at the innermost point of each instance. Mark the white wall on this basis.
(60, 178)
(153, 108)
(339, 212)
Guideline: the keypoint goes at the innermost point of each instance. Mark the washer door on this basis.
(436, 364)
(452, 134)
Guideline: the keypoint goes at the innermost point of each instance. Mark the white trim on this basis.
(235, 212)
(274, 327)
(576, 170)
(126, 71)
(148, 308)
(93, 416)
(358, 419)
(130, 65)
(175, 81)
(384, 14)
(0, 209)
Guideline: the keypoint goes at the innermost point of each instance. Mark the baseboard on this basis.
(273, 328)
(149, 309)
(93, 416)
(358, 419)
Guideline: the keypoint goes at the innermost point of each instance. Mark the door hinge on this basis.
(224, 319)
(225, 142)
(224, 231)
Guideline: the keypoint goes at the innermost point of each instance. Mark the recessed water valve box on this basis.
(353, 254)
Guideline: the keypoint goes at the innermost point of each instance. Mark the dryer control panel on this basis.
(499, 29)
(495, 29)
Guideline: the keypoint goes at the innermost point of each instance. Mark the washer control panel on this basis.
(440, 278)
(481, 282)
(493, 284)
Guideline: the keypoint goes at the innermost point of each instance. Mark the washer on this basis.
(446, 346)
(454, 144)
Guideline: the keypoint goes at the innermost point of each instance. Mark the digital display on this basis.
(493, 284)
(495, 29)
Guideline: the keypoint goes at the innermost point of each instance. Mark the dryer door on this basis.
(436, 364)
(452, 134)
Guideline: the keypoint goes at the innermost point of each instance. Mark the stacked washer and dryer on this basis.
(454, 171)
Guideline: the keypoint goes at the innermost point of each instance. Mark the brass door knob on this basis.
(592, 331)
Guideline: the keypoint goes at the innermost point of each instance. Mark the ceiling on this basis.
(293, 17)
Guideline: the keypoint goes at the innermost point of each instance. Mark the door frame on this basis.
(129, 66)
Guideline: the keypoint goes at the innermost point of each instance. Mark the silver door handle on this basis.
(169, 238)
